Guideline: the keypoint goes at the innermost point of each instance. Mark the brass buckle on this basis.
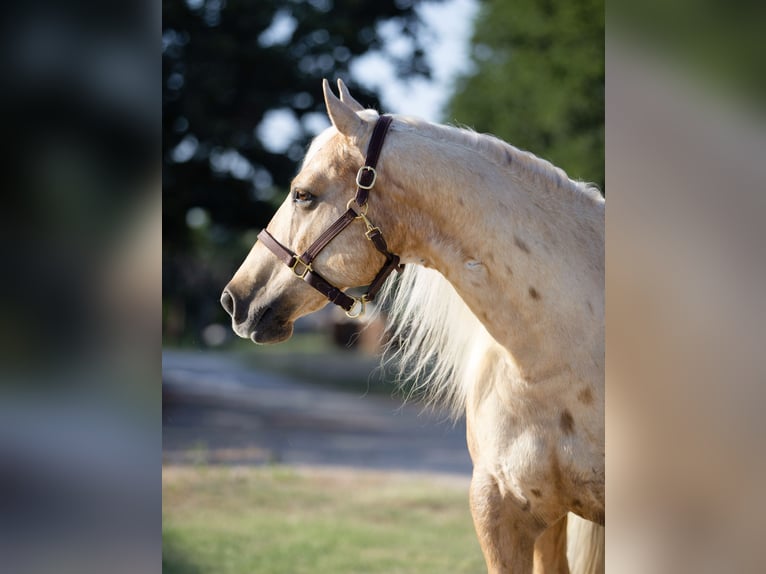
(358, 304)
(361, 172)
(306, 267)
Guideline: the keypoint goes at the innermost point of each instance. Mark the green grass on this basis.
(280, 520)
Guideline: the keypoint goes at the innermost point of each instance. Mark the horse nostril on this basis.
(227, 301)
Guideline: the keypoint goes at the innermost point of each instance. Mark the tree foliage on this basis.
(538, 81)
(227, 66)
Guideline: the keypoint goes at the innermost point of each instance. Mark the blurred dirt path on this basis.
(220, 411)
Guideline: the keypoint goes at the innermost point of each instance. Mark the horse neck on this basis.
(525, 255)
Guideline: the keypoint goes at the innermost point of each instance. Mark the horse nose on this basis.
(228, 302)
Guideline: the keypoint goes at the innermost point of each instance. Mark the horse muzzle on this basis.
(260, 323)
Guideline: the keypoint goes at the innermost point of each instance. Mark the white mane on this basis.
(436, 342)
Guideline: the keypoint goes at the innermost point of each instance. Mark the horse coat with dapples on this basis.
(498, 311)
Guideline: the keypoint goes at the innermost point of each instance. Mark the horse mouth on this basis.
(269, 328)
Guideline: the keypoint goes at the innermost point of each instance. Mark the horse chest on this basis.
(537, 456)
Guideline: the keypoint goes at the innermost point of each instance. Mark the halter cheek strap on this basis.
(301, 265)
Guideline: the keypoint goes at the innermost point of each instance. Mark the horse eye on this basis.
(302, 197)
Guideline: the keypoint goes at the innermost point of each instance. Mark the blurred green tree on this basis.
(241, 99)
(538, 81)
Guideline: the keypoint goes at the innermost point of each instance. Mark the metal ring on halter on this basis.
(306, 267)
(362, 211)
(358, 303)
(360, 173)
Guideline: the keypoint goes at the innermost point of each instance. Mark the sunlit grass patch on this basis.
(283, 520)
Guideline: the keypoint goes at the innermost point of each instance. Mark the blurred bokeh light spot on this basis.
(278, 130)
(185, 149)
(280, 31)
(197, 218)
(214, 335)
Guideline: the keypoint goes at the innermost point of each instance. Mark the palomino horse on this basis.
(499, 309)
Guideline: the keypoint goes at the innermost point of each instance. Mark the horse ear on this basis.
(341, 115)
(345, 97)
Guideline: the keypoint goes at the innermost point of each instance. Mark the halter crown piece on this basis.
(301, 266)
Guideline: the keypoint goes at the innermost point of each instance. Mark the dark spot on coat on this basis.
(508, 269)
(508, 157)
(576, 503)
(585, 396)
(590, 308)
(461, 201)
(520, 244)
(533, 293)
(566, 422)
(537, 493)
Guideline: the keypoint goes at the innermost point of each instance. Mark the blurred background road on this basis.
(218, 408)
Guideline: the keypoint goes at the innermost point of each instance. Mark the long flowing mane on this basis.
(436, 342)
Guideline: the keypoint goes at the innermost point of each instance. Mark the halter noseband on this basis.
(301, 266)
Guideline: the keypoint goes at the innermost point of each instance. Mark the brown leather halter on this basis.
(301, 266)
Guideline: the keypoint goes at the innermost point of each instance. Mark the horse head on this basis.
(266, 294)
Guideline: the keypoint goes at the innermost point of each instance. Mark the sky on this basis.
(447, 30)
(446, 33)
(449, 26)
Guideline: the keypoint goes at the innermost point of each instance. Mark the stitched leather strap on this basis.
(392, 264)
(330, 291)
(283, 253)
(310, 276)
(367, 177)
(328, 235)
